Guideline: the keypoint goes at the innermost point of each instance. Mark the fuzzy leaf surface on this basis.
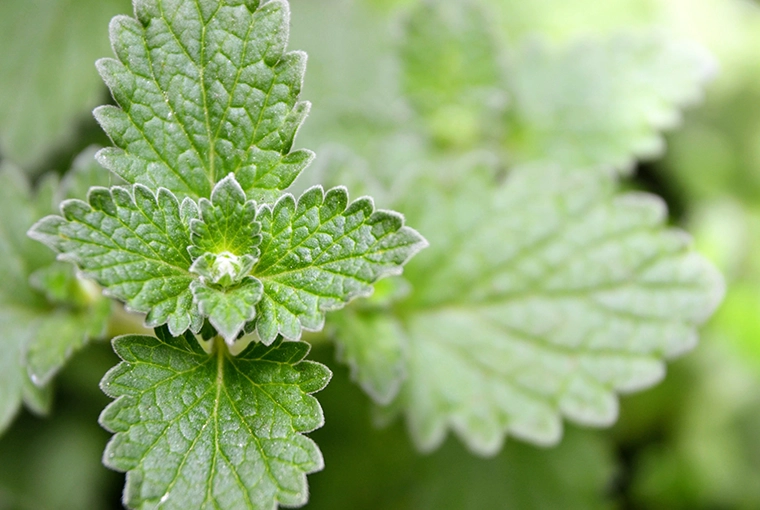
(229, 308)
(133, 243)
(227, 222)
(541, 299)
(45, 313)
(205, 88)
(614, 98)
(199, 431)
(320, 252)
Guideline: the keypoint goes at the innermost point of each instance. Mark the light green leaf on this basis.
(601, 103)
(541, 299)
(57, 282)
(84, 173)
(319, 253)
(60, 335)
(133, 243)
(228, 308)
(206, 88)
(17, 332)
(452, 73)
(40, 325)
(199, 431)
(575, 475)
(47, 78)
(372, 344)
(227, 223)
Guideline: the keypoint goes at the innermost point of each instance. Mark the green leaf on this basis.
(199, 431)
(319, 253)
(373, 345)
(60, 285)
(613, 99)
(707, 455)
(541, 299)
(60, 335)
(227, 222)
(371, 342)
(228, 308)
(451, 72)
(133, 243)
(44, 322)
(205, 89)
(85, 173)
(377, 468)
(47, 78)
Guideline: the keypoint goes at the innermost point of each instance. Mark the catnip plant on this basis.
(543, 293)
(204, 235)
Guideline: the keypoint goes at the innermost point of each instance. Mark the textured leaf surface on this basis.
(227, 222)
(41, 324)
(541, 299)
(134, 243)
(205, 88)
(319, 253)
(228, 309)
(611, 102)
(199, 431)
(47, 80)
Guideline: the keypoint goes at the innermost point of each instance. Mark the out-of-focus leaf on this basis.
(379, 469)
(709, 456)
(540, 298)
(601, 102)
(46, 313)
(563, 21)
(353, 72)
(47, 71)
(452, 73)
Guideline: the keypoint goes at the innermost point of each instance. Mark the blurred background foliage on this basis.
(691, 442)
